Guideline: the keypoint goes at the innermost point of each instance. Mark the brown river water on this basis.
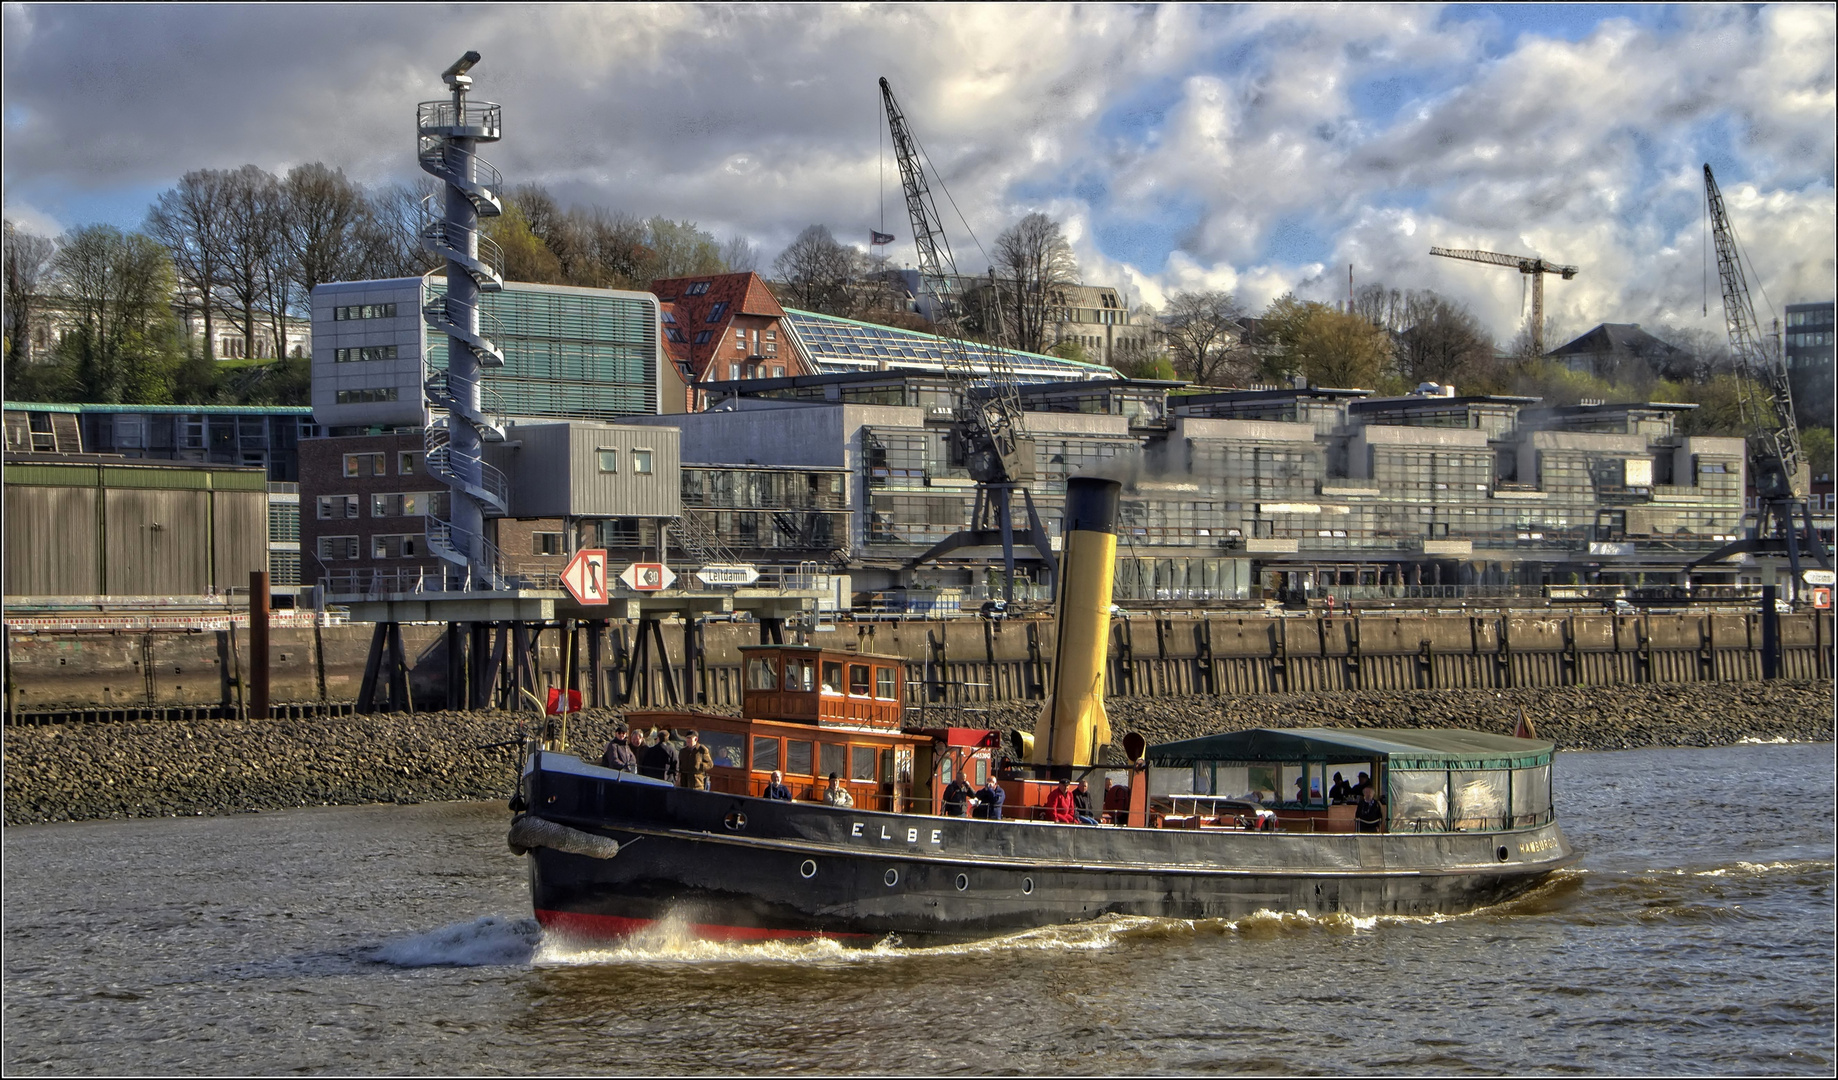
(1696, 936)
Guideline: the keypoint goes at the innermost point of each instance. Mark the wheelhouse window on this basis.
(834, 759)
(797, 757)
(832, 677)
(861, 763)
(765, 753)
(1477, 800)
(762, 673)
(1531, 795)
(884, 683)
(858, 679)
(728, 749)
(800, 675)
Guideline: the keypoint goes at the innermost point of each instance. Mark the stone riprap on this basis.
(123, 770)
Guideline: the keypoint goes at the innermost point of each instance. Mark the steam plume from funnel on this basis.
(1072, 725)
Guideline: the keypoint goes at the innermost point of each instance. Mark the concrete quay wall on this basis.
(968, 661)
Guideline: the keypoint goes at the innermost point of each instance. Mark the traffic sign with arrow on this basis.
(585, 577)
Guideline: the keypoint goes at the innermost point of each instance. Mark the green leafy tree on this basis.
(1329, 347)
(526, 257)
(125, 344)
(1817, 443)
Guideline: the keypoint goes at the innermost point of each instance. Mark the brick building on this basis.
(725, 326)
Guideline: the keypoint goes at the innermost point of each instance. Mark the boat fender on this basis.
(533, 832)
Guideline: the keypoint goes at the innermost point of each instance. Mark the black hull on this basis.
(736, 867)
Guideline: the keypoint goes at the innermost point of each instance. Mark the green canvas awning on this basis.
(1441, 748)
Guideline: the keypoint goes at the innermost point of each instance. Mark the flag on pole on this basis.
(1524, 730)
(876, 239)
(563, 701)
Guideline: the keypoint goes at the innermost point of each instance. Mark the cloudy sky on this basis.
(1256, 149)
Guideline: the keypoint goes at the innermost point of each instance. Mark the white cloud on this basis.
(762, 120)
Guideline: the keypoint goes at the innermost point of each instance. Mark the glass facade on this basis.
(582, 354)
(835, 344)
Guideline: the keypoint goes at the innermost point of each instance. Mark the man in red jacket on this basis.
(1060, 804)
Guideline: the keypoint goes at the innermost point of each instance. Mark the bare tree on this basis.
(615, 251)
(740, 254)
(327, 222)
(28, 261)
(1034, 266)
(190, 220)
(816, 271)
(1204, 336)
(251, 234)
(392, 232)
(1440, 340)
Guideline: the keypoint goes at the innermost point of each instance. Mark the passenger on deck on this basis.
(659, 761)
(1116, 800)
(1359, 787)
(622, 753)
(989, 800)
(1059, 803)
(1081, 803)
(696, 763)
(955, 795)
(1337, 794)
(777, 789)
(1370, 814)
(1302, 790)
(836, 794)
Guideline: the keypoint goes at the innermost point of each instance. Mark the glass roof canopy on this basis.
(836, 344)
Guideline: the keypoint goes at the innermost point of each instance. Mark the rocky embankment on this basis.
(82, 772)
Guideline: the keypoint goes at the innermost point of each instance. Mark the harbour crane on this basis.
(989, 436)
(1777, 466)
(1529, 265)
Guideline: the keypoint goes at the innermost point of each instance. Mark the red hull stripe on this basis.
(581, 925)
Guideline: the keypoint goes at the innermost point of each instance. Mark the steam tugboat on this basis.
(1468, 816)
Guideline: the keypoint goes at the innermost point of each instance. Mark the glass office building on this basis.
(584, 354)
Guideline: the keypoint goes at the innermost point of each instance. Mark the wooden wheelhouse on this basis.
(808, 712)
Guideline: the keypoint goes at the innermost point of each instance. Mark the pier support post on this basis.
(258, 644)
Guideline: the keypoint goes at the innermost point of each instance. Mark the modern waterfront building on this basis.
(1810, 361)
(568, 353)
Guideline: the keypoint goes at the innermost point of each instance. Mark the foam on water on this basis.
(487, 941)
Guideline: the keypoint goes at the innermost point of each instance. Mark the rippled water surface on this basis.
(1695, 937)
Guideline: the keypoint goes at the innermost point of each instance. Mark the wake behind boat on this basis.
(1462, 819)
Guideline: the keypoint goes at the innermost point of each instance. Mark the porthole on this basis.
(963, 882)
(809, 869)
(892, 877)
(735, 821)
(1027, 886)
(1503, 853)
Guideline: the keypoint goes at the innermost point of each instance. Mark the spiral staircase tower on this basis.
(449, 132)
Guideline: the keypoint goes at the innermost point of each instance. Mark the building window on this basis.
(364, 465)
(641, 462)
(733, 371)
(778, 371)
(335, 507)
(669, 319)
(408, 462)
(772, 335)
(771, 349)
(332, 548)
(397, 546)
(609, 459)
(364, 311)
(365, 397)
(715, 313)
(696, 288)
(546, 543)
(702, 337)
(367, 352)
(403, 504)
(676, 335)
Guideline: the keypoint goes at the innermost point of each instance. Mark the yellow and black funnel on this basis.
(1072, 725)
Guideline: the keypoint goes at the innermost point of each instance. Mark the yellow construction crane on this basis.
(1530, 265)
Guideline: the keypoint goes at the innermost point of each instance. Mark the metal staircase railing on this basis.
(450, 242)
(436, 312)
(492, 488)
(699, 540)
(444, 543)
(490, 421)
